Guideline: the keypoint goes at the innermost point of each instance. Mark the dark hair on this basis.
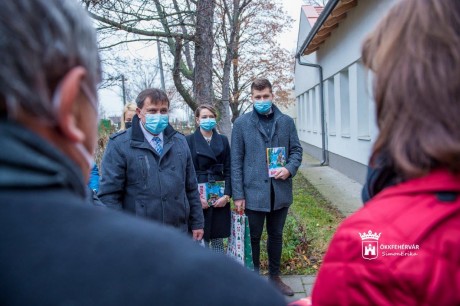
(157, 96)
(416, 85)
(261, 84)
(205, 106)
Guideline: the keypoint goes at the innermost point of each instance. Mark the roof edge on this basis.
(318, 24)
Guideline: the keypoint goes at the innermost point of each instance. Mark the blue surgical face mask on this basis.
(208, 124)
(263, 107)
(156, 123)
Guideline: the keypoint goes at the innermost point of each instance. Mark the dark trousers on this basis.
(275, 225)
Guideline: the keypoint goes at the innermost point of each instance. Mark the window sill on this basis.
(364, 138)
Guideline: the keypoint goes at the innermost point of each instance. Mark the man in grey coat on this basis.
(148, 170)
(263, 197)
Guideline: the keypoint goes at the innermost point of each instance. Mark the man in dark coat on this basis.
(262, 196)
(56, 248)
(151, 182)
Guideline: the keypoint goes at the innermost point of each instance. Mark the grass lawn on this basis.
(309, 227)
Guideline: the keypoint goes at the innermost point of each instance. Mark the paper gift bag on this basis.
(239, 242)
(247, 245)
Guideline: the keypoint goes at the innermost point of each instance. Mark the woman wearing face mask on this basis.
(211, 158)
(128, 113)
(402, 248)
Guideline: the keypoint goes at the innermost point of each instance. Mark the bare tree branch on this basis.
(177, 79)
(130, 29)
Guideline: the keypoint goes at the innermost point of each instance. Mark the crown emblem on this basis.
(370, 235)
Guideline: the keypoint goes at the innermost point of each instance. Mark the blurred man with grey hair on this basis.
(55, 249)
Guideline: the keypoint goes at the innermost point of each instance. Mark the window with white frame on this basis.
(344, 104)
(362, 103)
(313, 109)
(330, 100)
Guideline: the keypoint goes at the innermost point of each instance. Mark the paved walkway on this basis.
(300, 284)
(343, 193)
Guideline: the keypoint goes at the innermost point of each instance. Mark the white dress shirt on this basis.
(149, 136)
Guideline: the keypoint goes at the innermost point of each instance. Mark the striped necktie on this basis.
(157, 144)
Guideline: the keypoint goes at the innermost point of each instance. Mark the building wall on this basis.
(291, 109)
(349, 108)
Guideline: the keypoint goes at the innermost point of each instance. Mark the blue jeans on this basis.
(275, 226)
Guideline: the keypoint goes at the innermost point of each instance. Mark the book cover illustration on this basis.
(276, 159)
(211, 192)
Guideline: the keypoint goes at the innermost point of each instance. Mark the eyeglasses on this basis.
(91, 97)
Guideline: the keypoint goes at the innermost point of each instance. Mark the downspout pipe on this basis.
(325, 156)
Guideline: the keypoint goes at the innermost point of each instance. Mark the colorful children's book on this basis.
(211, 192)
(202, 190)
(276, 159)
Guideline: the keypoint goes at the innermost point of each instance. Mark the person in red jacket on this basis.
(403, 247)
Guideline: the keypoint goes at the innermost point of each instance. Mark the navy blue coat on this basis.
(138, 180)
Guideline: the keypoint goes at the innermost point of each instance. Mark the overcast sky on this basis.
(109, 97)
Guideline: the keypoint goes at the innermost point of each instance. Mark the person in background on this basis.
(147, 170)
(93, 182)
(403, 246)
(264, 197)
(55, 249)
(211, 159)
(127, 117)
(93, 187)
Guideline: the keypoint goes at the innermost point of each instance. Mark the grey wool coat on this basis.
(250, 179)
(136, 179)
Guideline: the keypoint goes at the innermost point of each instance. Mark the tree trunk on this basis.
(204, 43)
(236, 87)
(225, 123)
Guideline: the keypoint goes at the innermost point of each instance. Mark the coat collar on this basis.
(138, 140)
(255, 120)
(434, 182)
(208, 150)
(32, 162)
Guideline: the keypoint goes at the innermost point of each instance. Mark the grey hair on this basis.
(40, 41)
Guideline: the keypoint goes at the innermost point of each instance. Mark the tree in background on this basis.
(210, 62)
(140, 74)
(124, 21)
(246, 48)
